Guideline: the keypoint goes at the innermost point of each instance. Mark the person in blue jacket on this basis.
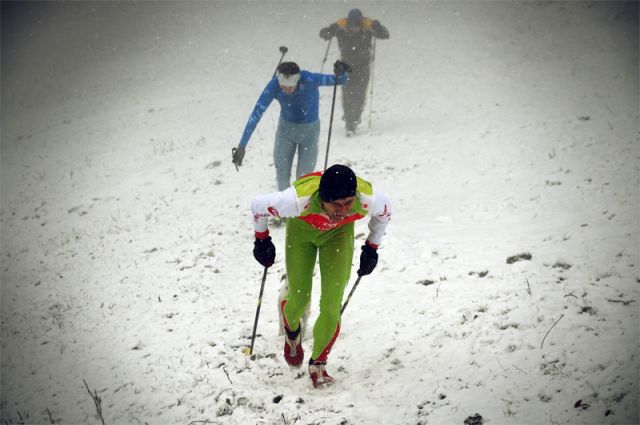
(299, 126)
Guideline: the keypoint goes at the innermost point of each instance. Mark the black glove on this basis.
(340, 68)
(264, 251)
(328, 32)
(237, 154)
(325, 34)
(368, 259)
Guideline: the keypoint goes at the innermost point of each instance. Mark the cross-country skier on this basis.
(299, 126)
(355, 34)
(321, 209)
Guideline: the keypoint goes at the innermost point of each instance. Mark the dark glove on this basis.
(368, 259)
(237, 155)
(376, 26)
(264, 251)
(340, 68)
(328, 32)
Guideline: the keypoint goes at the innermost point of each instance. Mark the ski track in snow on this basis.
(498, 129)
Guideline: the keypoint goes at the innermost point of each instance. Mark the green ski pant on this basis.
(335, 248)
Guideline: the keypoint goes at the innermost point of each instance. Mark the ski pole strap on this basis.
(355, 285)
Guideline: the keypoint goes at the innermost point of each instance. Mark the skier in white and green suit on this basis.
(321, 209)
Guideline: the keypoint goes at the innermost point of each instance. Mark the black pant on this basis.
(354, 94)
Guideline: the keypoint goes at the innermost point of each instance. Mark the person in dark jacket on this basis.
(355, 38)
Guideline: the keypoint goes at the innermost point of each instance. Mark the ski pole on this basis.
(373, 60)
(283, 50)
(255, 322)
(326, 53)
(355, 285)
(333, 104)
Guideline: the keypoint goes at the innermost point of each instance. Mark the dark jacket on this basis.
(355, 47)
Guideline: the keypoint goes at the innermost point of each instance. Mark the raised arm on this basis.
(379, 31)
(328, 32)
(341, 75)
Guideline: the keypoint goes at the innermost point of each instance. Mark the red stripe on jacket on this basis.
(322, 222)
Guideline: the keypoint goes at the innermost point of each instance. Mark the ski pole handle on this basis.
(233, 154)
(283, 50)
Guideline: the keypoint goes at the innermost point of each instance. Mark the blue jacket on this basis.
(300, 107)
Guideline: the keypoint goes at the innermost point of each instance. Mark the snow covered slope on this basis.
(502, 131)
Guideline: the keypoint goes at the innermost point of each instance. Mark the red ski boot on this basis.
(293, 352)
(319, 376)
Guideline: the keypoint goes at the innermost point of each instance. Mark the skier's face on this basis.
(339, 208)
(288, 89)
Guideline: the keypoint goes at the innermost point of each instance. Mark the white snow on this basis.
(498, 129)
